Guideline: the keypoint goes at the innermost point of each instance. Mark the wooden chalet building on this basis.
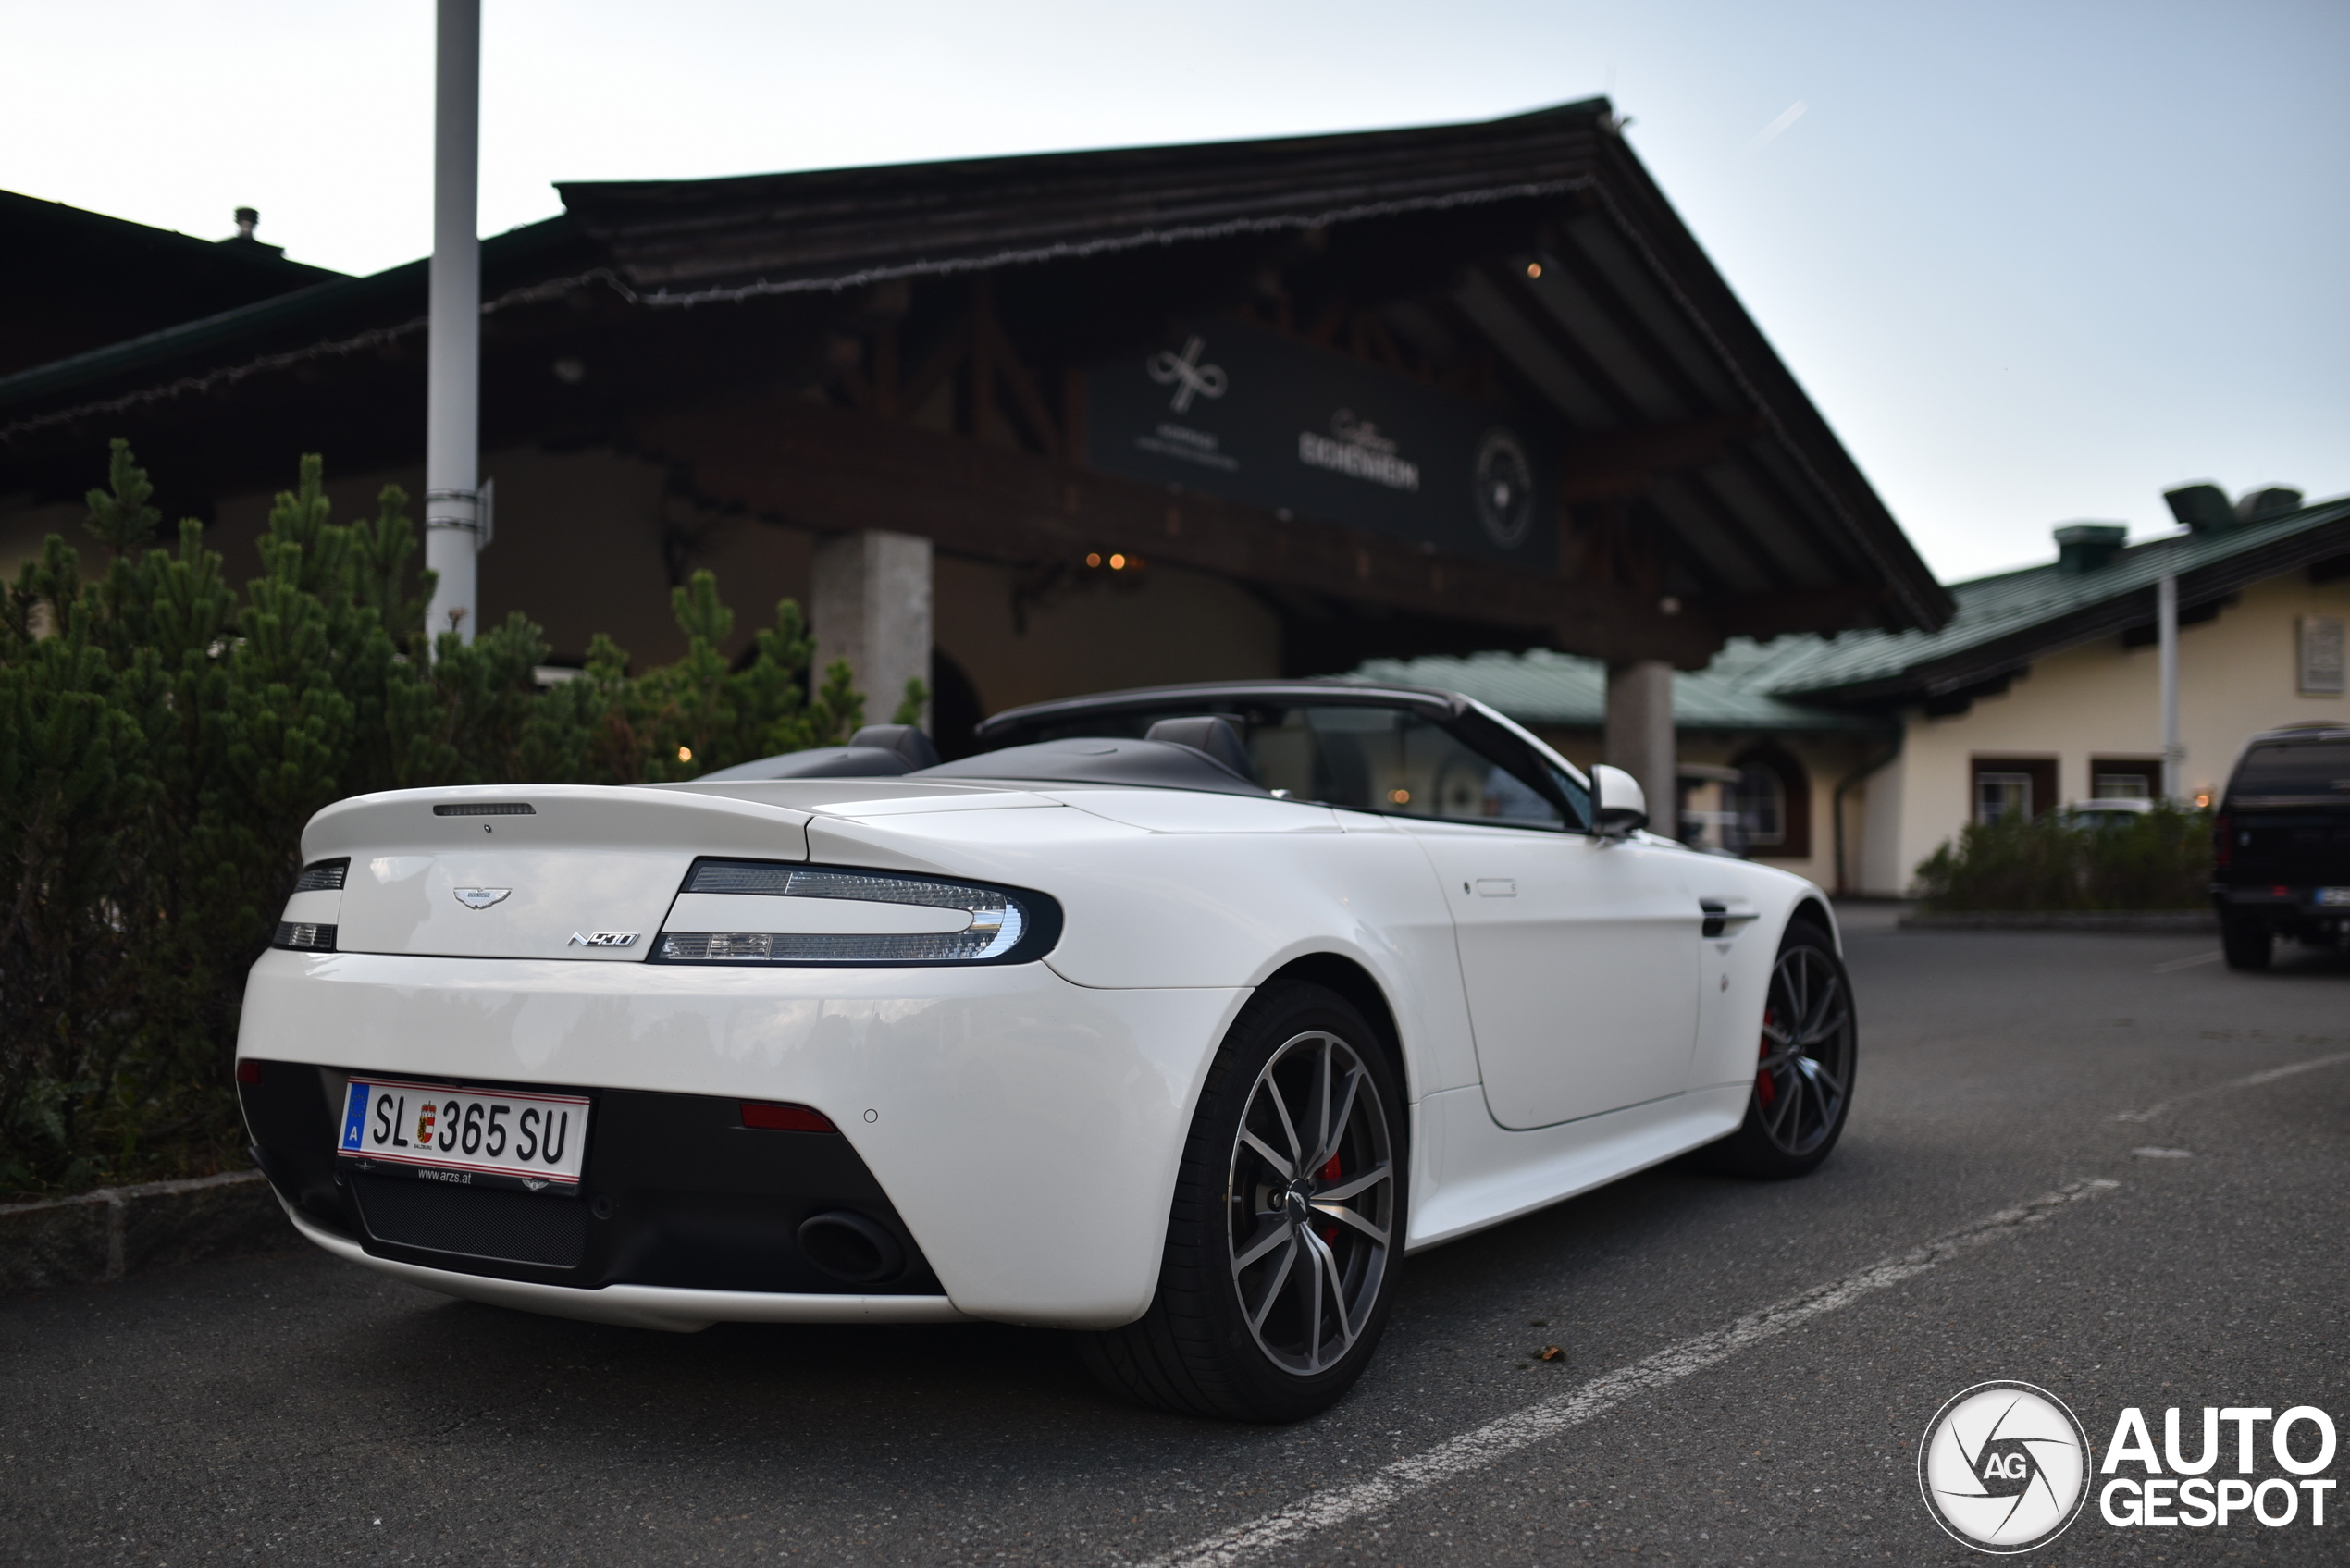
(1038, 426)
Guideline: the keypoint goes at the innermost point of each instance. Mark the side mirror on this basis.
(1619, 809)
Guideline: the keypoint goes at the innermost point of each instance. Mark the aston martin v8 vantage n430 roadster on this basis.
(1179, 1018)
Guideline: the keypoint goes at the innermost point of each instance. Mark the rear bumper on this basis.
(2282, 905)
(641, 1306)
(676, 1192)
(1025, 1131)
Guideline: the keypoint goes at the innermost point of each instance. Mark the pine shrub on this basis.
(164, 737)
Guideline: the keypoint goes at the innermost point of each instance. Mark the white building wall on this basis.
(1882, 871)
(2237, 676)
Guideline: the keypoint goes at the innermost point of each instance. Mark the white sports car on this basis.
(1180, 1018)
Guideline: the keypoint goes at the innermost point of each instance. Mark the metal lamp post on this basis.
(456, 515)
(2167, 632)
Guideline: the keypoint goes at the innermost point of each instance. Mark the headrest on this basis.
(1209, 734)
(903, 739)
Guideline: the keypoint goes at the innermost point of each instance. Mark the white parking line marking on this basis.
(2212, 958)
(1499, 1438)
(2250, 1080)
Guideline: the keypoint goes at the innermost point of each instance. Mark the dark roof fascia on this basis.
(195, 337)
(16, 204)
(370, 305)
(2134, 606)
(612, 213)
(1648, 219)
(688, 241)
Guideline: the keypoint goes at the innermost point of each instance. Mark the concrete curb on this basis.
(2145, 922)
(95, 1237)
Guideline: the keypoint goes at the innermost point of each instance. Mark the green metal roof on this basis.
(2007, 621)
(1568, 691)
(1803, 682)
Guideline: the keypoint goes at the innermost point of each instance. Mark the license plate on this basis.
(528, 1139)
(2333, 895)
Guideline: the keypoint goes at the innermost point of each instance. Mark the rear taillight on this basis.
(248, 1070)
(773, 912)
(303, 936)
(2223, 842)
(786, 1118)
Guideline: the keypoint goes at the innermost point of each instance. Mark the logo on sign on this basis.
(2004, 1467)
(1186, 375)
(1503, 488)
(602, 938)
(481, 897)
(1356, 447)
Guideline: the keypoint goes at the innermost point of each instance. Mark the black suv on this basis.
(2280, 847)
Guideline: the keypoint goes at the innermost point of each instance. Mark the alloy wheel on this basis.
(1805, 1067)
(1311, 1202)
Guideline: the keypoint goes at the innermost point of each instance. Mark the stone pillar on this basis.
(1639, 736)
(871, 606)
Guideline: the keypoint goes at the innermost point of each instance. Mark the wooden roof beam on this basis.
(1617, 464)
(1769, 615)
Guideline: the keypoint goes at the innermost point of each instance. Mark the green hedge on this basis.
(164, 736)
(2159, 860)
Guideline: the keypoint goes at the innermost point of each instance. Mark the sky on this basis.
(2036, 263)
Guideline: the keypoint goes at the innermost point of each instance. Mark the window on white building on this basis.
(1761, 804)
(1999, 797)
(2321, 656)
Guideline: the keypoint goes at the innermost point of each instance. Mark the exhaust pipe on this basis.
(848, 1246)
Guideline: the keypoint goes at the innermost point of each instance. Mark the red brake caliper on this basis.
(1329, 1173)
(1764, 1090)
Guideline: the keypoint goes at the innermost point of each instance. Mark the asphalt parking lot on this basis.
(292, 1409)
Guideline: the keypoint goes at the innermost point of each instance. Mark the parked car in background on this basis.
(2280, 845)
(2111, 812)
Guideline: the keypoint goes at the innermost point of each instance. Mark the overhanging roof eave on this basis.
(1939, 672)
(305, 309)
(1644, 216)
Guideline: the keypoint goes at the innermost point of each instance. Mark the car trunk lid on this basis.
(576, 871)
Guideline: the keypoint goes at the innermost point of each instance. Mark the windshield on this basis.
(1371, 759)
(2319, 770)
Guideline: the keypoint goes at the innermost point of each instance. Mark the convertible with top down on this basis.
(1176, 1017)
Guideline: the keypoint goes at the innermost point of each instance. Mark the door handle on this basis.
(1719, 917)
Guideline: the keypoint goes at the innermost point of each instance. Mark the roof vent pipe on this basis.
(2202, 508)
(243, 239)
(2088, 547)
(2272, 501)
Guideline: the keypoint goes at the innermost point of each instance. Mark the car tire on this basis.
(1803, 1076)
(2247, 944)
(1284, 1235)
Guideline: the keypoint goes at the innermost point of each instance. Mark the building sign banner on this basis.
(1254, 416)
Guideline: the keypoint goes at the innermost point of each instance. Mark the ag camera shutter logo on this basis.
(2004, 1467)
